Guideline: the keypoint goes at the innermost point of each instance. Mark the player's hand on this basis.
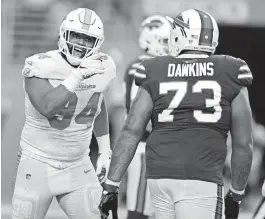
(91, 66)
(232, 201)
(109, 201)
(103, 164)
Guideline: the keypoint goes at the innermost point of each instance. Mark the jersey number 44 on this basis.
(86, 116)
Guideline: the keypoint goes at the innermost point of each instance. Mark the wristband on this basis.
(71, 82)
(236, 195)
(104, 144)
(110, 182)
(236, 191)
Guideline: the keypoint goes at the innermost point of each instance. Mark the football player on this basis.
(153, 41)
(64, 104)
(193, 99)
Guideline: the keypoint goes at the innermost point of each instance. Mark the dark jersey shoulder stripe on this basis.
(130, 78)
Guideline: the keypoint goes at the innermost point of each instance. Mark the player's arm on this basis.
(125, 147)
(117, 115)
(48, 100)
(101, 128)
(101, 131)
(130, 135)
(241, 133)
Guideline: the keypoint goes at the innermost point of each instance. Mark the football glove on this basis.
(232, 201)
(90, 66)
(109, 201)
(103, 164)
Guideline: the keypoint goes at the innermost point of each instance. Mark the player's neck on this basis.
(64, 57)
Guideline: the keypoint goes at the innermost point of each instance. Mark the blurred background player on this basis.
(194, 98)
(153, 41)
(64, 104)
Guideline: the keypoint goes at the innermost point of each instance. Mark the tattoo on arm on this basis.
(240, 168)
(243, 175)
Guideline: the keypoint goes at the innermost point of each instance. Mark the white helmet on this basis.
(85, 21)
(154, 35)
(193, 30)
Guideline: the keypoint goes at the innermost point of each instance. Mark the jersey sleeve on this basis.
(241, 72)
(140, 75)
(244, 75)
(143, 76)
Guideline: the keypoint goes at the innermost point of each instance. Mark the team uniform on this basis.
(54, 159)
(138, 196)
(186, 150)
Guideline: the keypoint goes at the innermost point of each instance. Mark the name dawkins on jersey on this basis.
(190, 69)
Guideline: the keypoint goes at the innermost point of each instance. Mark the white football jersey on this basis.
(65, 137)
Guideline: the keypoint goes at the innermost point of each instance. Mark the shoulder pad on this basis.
(36, 65)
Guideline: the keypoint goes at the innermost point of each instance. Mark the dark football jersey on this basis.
(192, 113)
(131, 88)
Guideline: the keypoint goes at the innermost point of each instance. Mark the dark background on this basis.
(248, 44)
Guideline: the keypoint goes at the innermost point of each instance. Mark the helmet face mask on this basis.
(194, 30)
(78, 49)
(154, 34)
(81, 25)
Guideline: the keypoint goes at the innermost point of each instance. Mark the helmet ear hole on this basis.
(176, 39)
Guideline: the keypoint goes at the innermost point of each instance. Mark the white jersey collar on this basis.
(189, 55)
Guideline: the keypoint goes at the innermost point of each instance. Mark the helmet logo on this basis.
(153, 24)
(178, 21)
(85, 19)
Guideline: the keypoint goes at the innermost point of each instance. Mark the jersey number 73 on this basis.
(181, 90)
